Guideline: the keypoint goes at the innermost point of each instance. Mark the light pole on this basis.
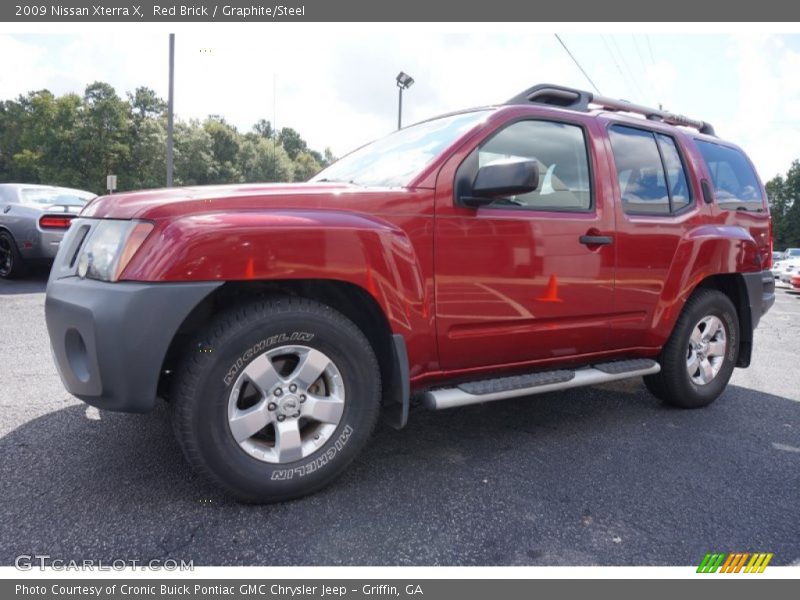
(170, 106)
(404, 81)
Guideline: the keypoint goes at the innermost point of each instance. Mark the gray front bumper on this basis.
(109, 340)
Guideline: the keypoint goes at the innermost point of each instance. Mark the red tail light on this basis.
(54, 222)
(771, 245)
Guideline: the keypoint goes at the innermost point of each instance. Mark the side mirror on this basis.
(500, 179)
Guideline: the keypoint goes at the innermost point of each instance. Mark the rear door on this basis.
(658, 205)
(738, 194)
(517, 281)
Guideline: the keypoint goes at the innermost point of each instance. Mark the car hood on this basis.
(176, 202)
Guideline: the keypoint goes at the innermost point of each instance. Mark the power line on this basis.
(627, 67)
(616, 64)
(644, 66)
(650, 47)
(575, 60)
(639, 53)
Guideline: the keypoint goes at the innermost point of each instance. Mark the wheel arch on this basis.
(354, 302)
(710, 257)
(734, 287)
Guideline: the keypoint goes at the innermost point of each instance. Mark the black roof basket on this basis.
(564, 97)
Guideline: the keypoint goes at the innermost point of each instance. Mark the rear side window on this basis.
(734, 180)
(650, 172)
(43, 196)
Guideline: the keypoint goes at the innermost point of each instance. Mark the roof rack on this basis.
(564, 97)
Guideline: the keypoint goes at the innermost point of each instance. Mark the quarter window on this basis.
(652, 179)
(734, 180)
(560, 151)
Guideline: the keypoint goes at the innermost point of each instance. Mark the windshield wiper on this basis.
(326, 180)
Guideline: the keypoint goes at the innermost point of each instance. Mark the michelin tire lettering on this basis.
(251, 353)
(317, 463)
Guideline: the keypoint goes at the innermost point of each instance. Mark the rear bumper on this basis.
(109, 340)
(760, 294)
(49, 242)
(37, 244)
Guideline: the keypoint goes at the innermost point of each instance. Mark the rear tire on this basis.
(698, 359)
(12, 265)
(276, 399)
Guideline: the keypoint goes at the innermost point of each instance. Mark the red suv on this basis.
(558, 240)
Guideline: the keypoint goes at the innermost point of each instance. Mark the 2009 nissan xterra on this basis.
(558, 240)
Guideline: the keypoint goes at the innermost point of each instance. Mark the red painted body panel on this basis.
(660, 260)
(516, 285)
(381, 241)
(472, 291)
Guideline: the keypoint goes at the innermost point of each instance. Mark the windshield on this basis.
(50, 196)
(394, 160)
(792, 253)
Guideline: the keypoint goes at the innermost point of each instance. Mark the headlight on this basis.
(110, 247)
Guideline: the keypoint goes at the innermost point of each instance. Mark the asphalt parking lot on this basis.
(603, 475)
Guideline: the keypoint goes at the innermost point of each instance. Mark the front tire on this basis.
(276, 399)
(698, 359)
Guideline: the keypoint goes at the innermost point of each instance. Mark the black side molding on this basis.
(760, 296)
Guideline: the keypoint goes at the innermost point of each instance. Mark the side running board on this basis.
(501, 388)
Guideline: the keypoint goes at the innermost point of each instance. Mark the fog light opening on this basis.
(77, 356)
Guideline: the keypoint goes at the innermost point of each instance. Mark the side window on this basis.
(676, 176)
(560, 151)
(652, 179)
(734, 180)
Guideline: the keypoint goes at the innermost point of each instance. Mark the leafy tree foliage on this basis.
(784, 199)
(76, 141)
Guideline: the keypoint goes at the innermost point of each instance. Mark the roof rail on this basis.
(564, 97)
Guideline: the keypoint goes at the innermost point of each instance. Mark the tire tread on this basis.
(227, 325)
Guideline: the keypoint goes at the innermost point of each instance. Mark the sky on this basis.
(337, 87)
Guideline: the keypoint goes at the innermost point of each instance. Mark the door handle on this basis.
(596, 240)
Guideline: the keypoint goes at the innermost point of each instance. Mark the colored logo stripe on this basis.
(711, 563)
(758, 563)
(734, 562)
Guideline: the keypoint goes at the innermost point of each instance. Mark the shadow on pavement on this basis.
(33, 283)
(604, 475)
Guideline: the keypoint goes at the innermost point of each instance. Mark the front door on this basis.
(519, 280)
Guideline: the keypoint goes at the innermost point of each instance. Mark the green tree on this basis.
(225, 142)
(194, 155)
(62, 164)
(144, 103)
(76, 140)
(103, 141)
(265, 160)
(264, 129)
(305, 166)
(30, 119)
(783, 194)
(292, 142)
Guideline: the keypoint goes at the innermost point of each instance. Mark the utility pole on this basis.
(399, 107)
(404, 81)
(170, 107)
